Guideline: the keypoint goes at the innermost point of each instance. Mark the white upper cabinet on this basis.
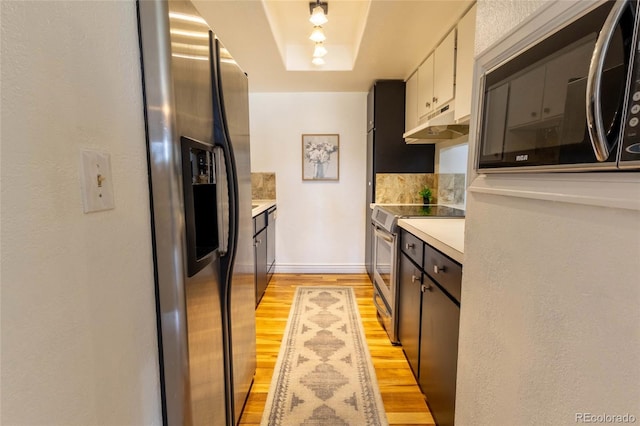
(425, 87)
(411, 102)
(464, 64)
(438, 93)
(436, 77)
(444, 64)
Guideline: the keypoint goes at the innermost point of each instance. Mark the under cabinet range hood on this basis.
(438, 129)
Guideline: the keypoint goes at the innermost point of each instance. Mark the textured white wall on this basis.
(79, 340)
(549, 320)
(320, 225)
(495, 18)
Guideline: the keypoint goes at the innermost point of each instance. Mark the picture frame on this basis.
(321, 157)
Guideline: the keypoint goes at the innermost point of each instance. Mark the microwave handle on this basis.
(597, 133)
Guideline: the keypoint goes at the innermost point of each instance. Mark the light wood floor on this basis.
(403, 400)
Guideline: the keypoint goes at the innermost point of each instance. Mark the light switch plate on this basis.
(96, 181)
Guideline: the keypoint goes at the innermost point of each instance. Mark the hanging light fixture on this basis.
(318, 17)
(317, 34)
(319, 12)
(319, 50)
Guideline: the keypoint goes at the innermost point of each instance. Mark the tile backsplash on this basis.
(451, 188)
(263, 186)
(401, 188)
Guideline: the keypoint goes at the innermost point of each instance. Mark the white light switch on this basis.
(96, 181)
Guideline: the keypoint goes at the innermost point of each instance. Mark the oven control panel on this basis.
(383, 219)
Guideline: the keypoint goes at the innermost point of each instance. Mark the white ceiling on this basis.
(367, 40)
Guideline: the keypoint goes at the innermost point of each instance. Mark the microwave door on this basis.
(495, 122)
(534, 114)
(621, 19)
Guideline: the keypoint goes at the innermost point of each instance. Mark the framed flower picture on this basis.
(321, 157)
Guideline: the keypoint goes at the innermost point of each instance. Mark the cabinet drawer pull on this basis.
(410, 246)
(413, 278)
(437, 269)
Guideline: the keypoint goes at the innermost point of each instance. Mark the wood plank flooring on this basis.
(403, 401)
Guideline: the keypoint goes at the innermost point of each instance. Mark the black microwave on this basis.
(570, 102)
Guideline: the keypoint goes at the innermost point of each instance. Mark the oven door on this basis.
(384, 274)
(385, 316)
(385, 250)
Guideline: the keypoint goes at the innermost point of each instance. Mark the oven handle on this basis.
(384, 235)
(597, 133)
(379, 308)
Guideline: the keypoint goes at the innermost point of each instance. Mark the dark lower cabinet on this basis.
(264, 247)
(271, 242)
(428, 322)
(260, 249)
(439, 351)
(410, 281)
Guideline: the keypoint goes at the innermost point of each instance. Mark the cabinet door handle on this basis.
(413, 278)
(425, 288)
(410, 246)
(437, 269)
(547, 110)
(427, 104)
(435, 100)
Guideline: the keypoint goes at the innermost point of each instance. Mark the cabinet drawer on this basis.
(444, 271)
(259, 222)
(412, 246)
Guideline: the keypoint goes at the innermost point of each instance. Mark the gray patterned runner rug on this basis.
(324, 374)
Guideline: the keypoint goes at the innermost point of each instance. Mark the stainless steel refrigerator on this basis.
(197, 124)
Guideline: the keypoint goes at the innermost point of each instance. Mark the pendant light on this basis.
(319, 51)
(318, 17)
(318, 13)
(317, 34)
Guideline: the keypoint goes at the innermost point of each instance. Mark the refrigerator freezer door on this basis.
(176, 61)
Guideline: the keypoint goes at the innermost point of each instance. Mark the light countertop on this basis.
(261, 206)
(445, 234)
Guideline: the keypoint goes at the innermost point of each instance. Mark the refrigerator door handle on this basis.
(222, 195)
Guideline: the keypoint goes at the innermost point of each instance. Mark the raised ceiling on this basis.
(367, 40)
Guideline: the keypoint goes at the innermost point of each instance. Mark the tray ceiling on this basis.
(366, 40)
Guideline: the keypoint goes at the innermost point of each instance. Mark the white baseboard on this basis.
(320, 268)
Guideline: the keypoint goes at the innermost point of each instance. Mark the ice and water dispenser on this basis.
(200, 202)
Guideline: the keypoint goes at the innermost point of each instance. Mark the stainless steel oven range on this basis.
(385, 250)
